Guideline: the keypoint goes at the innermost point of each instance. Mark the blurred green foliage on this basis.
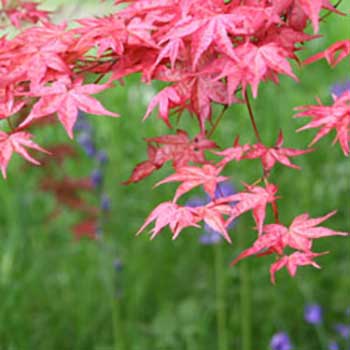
(59, 293)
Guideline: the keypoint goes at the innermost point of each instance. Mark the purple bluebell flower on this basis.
(96, 177)
(85, 141)
(313, 314)
(210, 236)
(224, 189)
(105, 203)
(102, 157)
(339, 88)
(333, 345)
(82, 125)
(343, 330)
(281, 341)
(118, 265)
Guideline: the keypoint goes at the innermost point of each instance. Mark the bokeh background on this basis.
(124, 292)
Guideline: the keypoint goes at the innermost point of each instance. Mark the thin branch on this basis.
(251, 115)
(330, 12)
(217, 121)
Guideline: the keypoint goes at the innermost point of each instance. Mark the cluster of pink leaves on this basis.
(207, 52)
(19, 12)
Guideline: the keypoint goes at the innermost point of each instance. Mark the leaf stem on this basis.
(217, 121)
(251, 115)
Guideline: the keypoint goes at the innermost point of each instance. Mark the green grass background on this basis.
(59, 293)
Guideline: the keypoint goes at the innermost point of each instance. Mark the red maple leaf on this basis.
(17, 142)
(67, 99)
(327, 118)
(270, 155)
(191, 177)
(178, 148)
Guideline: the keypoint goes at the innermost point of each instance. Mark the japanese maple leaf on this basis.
(67, 99)
(212, 214)
(142, 170)
(169, 213)
(25, 11)
(293, 261)
(192, 176)
(270, 155)
(312, 9)
(203, 33)
(327, 118)
(299, 235)
(178, 148)
(206, 90)
(302, 231)
(9, 107)
(334, 54)
(165, 99)
(16, 142)
(267, 242)
(256, 199)
(254, 64)
(232, 153)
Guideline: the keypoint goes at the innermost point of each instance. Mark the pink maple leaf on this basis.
(166, 99)
(256, 199)
(302, 231)
(268, 242)
(235, 152)
(212, 214)
(299, 235)
(169, 213)
(16, 142)
(192, 176)
(178, 148)
(327, 118)
(334, 54)
(270, 155)
(67, 100)
(293, 261)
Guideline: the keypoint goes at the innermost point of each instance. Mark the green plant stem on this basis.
(221, 320)
(245, 296)
(320, 329)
